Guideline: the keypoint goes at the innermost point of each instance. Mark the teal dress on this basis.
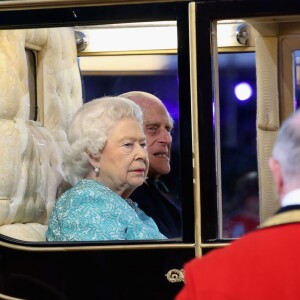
(90, 211)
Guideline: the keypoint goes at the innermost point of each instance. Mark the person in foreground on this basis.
(106, 161)
(153, 197)
(263, 264)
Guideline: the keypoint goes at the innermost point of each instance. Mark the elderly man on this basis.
(153, 197)
(264, 264)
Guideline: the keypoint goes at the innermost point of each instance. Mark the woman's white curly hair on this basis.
(88, 131)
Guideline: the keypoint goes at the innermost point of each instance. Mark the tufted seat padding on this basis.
(31, 172)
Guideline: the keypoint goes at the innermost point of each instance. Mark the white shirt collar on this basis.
(291, 198)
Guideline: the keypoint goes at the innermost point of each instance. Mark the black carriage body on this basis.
(135, 270)
(105, 270)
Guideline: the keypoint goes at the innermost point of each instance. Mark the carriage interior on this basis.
(33, 134)
(31, 150)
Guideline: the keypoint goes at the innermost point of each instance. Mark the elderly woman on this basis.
(106, 161)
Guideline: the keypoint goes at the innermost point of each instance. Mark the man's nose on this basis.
(165, 137)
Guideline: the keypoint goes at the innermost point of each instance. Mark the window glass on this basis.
(240, 203)
(31, 65)
(162, 83)
(110, 72)
(296, 60)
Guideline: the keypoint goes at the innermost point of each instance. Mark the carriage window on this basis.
(155, 74)
(146, 65)
(65, 78)
(240, 203)
(296, 57)
(31, 64)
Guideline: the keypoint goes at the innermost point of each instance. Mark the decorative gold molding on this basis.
(288, 217)
(195, 133)
(135, 52)
(175, 275)
(33, 247)
(37, 4)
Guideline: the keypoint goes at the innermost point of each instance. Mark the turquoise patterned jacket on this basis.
(90, 211)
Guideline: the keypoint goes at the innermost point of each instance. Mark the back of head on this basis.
(286, 149)
(89, 128)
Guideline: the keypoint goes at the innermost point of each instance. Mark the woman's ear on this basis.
(93, 160)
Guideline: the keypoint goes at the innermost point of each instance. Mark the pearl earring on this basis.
(97, 171)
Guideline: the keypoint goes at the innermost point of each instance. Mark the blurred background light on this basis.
(243, 91)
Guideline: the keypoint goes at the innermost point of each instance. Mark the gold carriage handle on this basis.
(175, 275)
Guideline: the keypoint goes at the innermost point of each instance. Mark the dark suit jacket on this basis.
(162, 206)
(264, 264)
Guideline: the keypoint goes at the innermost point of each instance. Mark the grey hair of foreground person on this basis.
(286, 149)
(88, 132)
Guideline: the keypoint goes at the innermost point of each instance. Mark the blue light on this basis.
(243, 91)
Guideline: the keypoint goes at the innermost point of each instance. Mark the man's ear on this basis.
(277, 174)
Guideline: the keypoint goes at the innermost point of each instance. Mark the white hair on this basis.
(88, 131)
(141, 98)
(286, 149)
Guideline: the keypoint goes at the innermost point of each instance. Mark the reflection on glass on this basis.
(59, 94)
(31, 63)
(240, 203)
(163, 83)
(296, 61)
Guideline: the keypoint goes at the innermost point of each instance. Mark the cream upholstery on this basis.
(268, 120)
(31, 152)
